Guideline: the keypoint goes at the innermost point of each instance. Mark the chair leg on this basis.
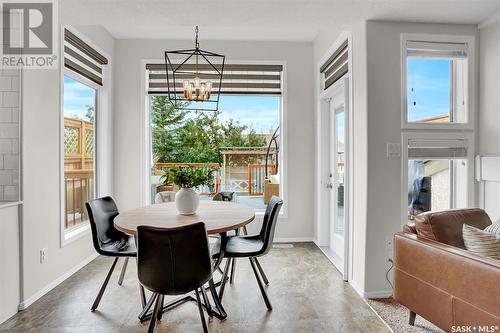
(154, 315)
(224, 278)
(200, 309)
(411, 320)
(160, 312)
(261, 287)
(207, 301)
(122, 274)
(143, 295)
(233, 269)
(103, 287)
(264, 277)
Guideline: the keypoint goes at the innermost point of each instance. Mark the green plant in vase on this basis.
(188, 178)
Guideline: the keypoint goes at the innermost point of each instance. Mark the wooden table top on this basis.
(218, 216)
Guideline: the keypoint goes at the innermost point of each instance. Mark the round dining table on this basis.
(219, 218)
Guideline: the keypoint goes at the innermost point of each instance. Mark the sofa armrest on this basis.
(434, 280)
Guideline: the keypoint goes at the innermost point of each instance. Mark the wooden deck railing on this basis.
(78, 189)
(256, 175)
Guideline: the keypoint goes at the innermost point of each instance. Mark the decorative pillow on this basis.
(481, 242)
(494, 228)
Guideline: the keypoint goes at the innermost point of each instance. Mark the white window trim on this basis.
(471, 80)
(433, 135)
(146, 133)
(67, 236)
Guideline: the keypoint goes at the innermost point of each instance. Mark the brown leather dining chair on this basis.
(108, 241)
(253, 246)
(174, 261)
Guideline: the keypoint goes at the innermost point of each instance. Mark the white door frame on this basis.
(321, 236)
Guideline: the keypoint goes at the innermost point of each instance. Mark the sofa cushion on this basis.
(446, 226)
(494, 228)
(481, 242)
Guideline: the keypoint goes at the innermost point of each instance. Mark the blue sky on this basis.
(258, 112)
(76, 98)
(430, 80)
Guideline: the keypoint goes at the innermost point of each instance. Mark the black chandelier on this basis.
(194, 83)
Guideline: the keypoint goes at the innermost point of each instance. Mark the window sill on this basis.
(69, 236)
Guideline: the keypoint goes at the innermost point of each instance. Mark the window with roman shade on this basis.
(238, 79)
(336, 66)
(437, 75)
(82, 58)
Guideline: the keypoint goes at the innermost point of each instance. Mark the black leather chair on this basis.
(174, 261)
(108, 241)
(252, 246)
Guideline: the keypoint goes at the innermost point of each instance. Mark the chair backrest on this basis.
(173, 261)
(224, 196)
(269, 222)
(102, 212)
(164, 196)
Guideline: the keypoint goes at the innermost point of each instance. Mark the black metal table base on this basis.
(217, 310)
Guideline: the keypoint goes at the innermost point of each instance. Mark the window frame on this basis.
(471, 82)
(102, 184)
(146, 133)
(69, 234)
(437, 136)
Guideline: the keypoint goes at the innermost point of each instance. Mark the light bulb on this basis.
(186, 88)
(208, 89)
(202, 90)
(197, 82)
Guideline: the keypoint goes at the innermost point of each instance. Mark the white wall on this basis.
(41, 182)
(377, 121)
(384, 126)
(489, 115)
(9, 262)
(129, 102)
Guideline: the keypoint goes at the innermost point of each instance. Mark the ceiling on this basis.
(273, 20)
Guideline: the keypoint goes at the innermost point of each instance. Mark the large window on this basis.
(233, 141)
(80, 106)
(436, 81)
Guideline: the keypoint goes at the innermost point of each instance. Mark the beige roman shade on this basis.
(82, 58)
(418, 49)
(238, 79)
(336, 66)
(437, 149)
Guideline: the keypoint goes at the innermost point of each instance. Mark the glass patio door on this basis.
(338, 172)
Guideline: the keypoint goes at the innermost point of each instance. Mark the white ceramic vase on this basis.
(187, 201)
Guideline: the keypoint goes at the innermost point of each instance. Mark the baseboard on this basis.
(370, 294)
(24, 304)
(293, 240)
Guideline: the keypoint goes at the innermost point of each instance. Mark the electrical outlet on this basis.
(388, 248)
(44, 255)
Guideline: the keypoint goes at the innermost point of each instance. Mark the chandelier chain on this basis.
(196, 44)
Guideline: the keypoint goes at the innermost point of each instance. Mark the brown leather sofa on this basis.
(437, 278)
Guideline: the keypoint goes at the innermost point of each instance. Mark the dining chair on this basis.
(174, 261)
(109, 241)
(253, 246)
